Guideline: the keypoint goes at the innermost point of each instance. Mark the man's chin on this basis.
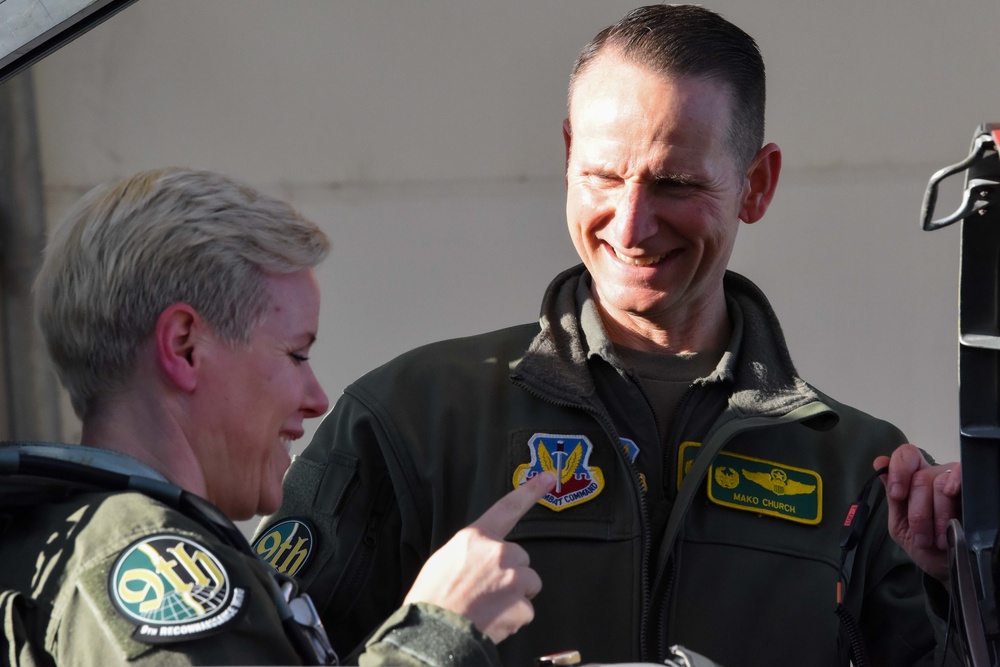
(633, 303)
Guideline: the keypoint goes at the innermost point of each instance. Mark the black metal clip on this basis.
(980, 193)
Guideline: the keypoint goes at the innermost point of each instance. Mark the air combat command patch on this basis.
(568, 456)
(287, 545)
(759, 486)
(173, 589)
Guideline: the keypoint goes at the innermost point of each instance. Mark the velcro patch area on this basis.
(287, 545)
(568, 456)
(759, 486)
(173, 588)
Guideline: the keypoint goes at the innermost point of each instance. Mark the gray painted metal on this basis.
(31, 29)
(30, 390)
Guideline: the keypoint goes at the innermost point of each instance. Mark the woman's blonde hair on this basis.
(128, 250)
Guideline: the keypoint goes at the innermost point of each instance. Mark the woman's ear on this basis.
(176, 340)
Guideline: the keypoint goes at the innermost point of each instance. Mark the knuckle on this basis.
(923, 479)
(920, 516)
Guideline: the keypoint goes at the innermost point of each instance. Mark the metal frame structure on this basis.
(31, 29)
(975, 552)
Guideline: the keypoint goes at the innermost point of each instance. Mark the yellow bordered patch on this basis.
(173, 589)
(287, 545)
(568, 456)
(756, 485)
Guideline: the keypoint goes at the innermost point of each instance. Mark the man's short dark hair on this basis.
(690, 41)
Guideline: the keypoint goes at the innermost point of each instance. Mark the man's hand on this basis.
(923, 498)
(479, 575)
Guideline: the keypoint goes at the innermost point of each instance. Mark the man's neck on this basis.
(698, 332)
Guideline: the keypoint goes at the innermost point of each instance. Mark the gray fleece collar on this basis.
(757, 363)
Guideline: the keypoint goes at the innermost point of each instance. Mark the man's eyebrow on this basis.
(675, 178)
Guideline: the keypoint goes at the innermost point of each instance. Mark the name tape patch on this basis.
(759, 486)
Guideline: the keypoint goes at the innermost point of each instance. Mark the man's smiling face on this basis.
(653, 191)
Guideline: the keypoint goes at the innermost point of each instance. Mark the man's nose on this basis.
(635, 216)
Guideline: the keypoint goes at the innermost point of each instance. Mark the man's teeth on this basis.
(639, 261)
(286, 444)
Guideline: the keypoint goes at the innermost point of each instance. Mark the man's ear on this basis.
(177, 340)
(760, 183)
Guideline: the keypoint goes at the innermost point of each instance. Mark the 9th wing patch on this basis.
(287, 545)
(172, 589)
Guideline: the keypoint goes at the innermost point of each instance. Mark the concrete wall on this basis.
(425, 137)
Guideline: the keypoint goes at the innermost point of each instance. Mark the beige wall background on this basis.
(425, 137)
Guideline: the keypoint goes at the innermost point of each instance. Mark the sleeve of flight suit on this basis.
(23, 638)
(425, 635)
(359, 570)
(150, 587)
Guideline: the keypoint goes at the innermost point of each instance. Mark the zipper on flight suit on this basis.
(729, 430)
(647, 551)
(361, 563)
(670, 449)
(612, 434)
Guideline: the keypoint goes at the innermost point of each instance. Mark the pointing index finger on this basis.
(499, 519)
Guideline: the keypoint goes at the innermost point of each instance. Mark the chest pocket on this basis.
(595, 489)
(760, 502)
(759, 486)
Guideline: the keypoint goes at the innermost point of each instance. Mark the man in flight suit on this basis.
(701, 482)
